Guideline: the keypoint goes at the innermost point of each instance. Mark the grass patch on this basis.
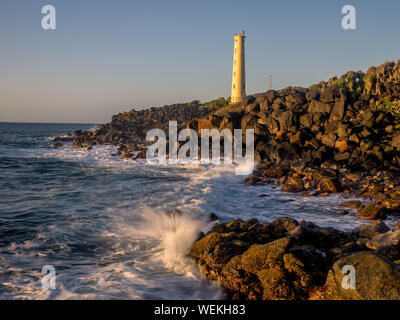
(389, 106)
(213, 104)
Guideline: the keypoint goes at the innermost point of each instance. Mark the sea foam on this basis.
(176, 232)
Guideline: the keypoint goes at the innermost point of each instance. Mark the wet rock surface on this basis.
(377, 278)
(287, 259)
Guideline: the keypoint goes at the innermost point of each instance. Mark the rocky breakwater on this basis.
(339, 135)
(128, 130)
(287, 259)
(349, 122)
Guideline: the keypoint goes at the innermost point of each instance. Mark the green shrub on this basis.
(389, 106)
(214, 104)
(316, 87)
(387, 103)
(338, 83)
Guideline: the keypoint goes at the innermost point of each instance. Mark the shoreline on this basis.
(292, 260)
(342, 135)
(309, 265)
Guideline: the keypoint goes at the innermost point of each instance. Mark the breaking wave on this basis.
(176, 233)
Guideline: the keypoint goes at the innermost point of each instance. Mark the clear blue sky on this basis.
(110, 56)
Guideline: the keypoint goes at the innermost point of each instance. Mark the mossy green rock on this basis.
(330, 185)
(376, 279)
(293, 184)
(274, 283)
(208, 243)
(259, 257)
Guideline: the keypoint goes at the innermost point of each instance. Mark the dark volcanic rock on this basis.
(371, 230)
(371, 212)
(280, 227)
(390, 238)
(131, 127)
(376, 279)
(330, 185)
(352, 204)
(299, 260)
(293, 184)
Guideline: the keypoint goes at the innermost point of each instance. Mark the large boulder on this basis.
(207, 244)
(312, 94)
(307, 233)
(259, 257)
(281, 226)
(330, 94)
(225, 251)
(293, 184)
(306, 120)
(275, 283)
(338, 111)
(330, 185)
(319, 107)
(284, 273)
(238, 283)
(390, 238)
(285, 120)
(371, 212)
(376, 278)
(370, 230)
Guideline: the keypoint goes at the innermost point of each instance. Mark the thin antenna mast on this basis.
(270, 81)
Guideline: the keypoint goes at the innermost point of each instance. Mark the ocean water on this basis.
(101, 221)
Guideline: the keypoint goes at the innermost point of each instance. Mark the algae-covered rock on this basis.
(293, 184)
(300, 260)
(207, 244)
(225, 251)
(305, 268)
(331, 185)
(258, 257)
(376, 278)
(239, 283)
(371, 212)
(274, 283)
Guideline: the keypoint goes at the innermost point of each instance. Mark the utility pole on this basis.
(270, 81)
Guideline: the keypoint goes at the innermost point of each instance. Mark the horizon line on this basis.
(34, 122)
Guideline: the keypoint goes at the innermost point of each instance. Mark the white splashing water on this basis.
(176, 233)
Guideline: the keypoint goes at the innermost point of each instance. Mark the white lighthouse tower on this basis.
(238, 72)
